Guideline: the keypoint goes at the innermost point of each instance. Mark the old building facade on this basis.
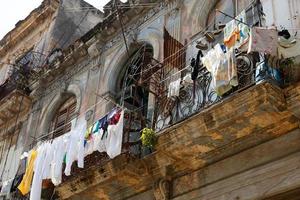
(227, 143)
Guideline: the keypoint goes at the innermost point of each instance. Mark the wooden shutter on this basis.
(64, 115)
(174, 52)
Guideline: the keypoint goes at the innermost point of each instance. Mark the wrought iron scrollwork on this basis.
(200, 95)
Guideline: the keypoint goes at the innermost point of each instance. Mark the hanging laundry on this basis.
(236, 33)
(231, 33)
(96, 127)
(103, 124)
(48, 160)
(187, 79)
(59, 146)
(174, 89)
(39, 171)
(88, 133)
(89, 145)
(289, 52)
(75, 149)
(263, 40)
(24, 186)
(113, 120)
(114, 140)
(195, 63)
(222, 68)
(16, 183)
(231, 67)
(243, 28)
(285, 39)
(99, 144)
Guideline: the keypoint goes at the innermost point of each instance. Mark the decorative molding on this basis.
(65, 79)
(135, 27)
(88, 115)
(161, 189)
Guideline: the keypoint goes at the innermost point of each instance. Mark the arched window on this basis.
(61, 122)
(133, 89)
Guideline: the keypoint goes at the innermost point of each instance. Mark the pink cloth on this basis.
(263, 40)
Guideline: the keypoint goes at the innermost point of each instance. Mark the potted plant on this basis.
(149, 138)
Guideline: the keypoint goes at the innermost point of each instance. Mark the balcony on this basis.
(14, 107)
(195, 131)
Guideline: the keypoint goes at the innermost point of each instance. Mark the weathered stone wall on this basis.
(42, 31)
(214, 150)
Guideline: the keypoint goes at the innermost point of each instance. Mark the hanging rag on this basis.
(231, 33)
(289, 52)
(236, 33)
(115, 118)
(187, 79)
(17, 181)
(24, 186)
(222, 67)
(88, 133)
(40, 170)
(195, 63)
(96, 127)
(103, 124)
(243, 29)
(174, 89)
(75, 149)
(263, 40)
(114, 140)
(99, 144)
(59, 146)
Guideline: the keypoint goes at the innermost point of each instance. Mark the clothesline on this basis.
(77, 116)
(100, 101)
(175, 73)
(46, 161)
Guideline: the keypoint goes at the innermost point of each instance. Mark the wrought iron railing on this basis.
(195, 97)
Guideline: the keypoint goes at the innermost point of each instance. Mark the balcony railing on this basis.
(196, 97)
(131, 147)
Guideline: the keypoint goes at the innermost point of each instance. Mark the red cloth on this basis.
(115, 119)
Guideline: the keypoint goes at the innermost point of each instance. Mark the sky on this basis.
(12, 11)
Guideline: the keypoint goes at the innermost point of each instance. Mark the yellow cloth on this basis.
(24, 186)
(88, 132)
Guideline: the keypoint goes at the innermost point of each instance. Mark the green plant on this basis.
(149, 138)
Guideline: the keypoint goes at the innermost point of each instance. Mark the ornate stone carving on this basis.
(63, 79)
(88, 115)
(161, 189)
(135, 27)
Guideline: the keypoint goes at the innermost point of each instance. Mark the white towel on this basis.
(174, 88)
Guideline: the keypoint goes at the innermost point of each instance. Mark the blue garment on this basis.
(103, 124)
(96, 127)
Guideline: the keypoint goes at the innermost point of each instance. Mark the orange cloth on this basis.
(231, 41)
(24, 186)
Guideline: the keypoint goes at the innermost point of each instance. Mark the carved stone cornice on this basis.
(59, 78)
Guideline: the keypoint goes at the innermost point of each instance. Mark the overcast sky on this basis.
(11, 11)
